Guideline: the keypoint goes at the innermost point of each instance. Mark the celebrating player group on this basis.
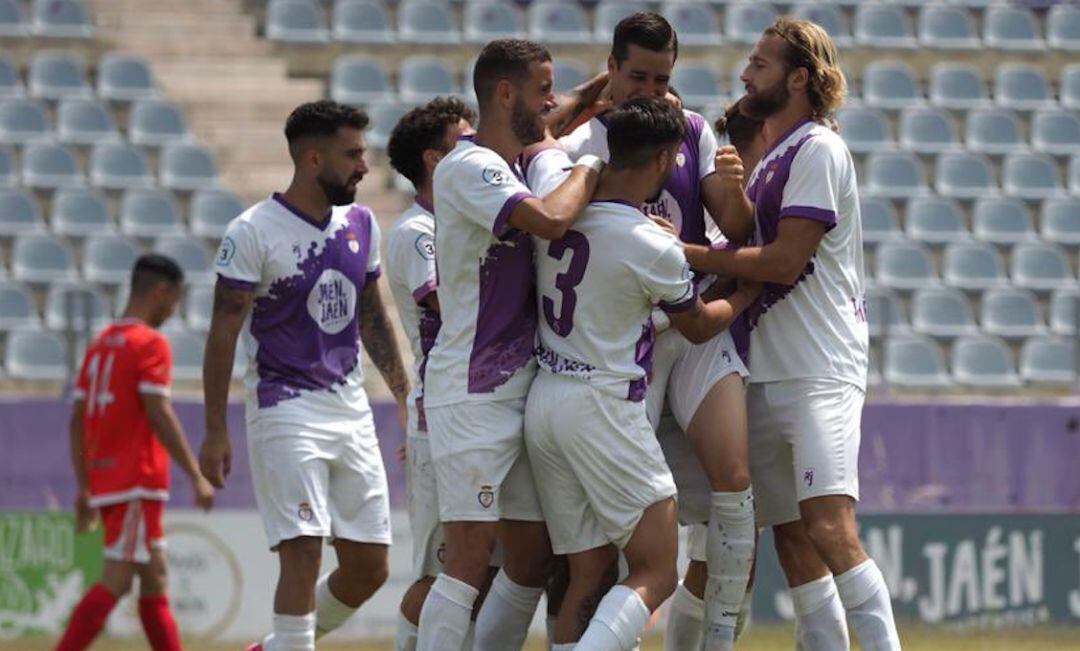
(619, 326)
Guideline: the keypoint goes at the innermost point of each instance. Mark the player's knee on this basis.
(301, 556)
(413, 600)
(664, 581)
(825, 533)
(737, 479)
(153, 580)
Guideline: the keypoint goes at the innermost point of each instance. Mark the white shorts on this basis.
(597, 463)
(697, 537)
(695, 493)
(311, 482)
(684, 373)
(804, 443)
(482, 472)
(423, 498)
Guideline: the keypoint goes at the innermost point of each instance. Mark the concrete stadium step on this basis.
(177, 24)
(242, 91)
(261, 67)
(190, 45)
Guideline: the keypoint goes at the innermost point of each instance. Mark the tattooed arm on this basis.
(381, 344)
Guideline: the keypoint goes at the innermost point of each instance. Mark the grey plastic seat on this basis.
(696, 24)
(994, 131)
(828, 16)
(359, 79)
(421, 78)
(697, 82)
(212, 210)
(118, 166)
(897, 174)
(1063, 27)
(85, 122)
(56, 75)
(108, 259)
(984, 362)
(964, 175)
(1011, 313)
(558, 22)
(1011, 28)
(890, 85)
(1070, 86)
(1064, 306)
(199, 306)
(149, 213)
(973, 267)
(23, 121)
(156, 123)
(17, 308)
(11, 84)
(883, 25)
(1048, 360)
(79, 212)
(1074, 175)
(1055, 132)
(35, 355)
(567, 74)
(296, 21)
(60, 19)
(1002, 220)
(384, 115)
(1040, 266)
(947, 27)
(885, 313)
(915, 362)
(904, 265)
(1060, 220)
(189, 253)
(954, 85)
(608, 13)
(187, 167)
(8, 174)
(486, 20)
(41, 259)
(49, 166)
(1022, 86)
(361, 21)
(75, 306)
(188, 351)
(1031, 176)
(744, 21)
(426, 22)
(942, 312)
(19, 213)
(125, 78)
(935, 220)
(928, 131)
(879, 222)
(12, 20)
(865, 129)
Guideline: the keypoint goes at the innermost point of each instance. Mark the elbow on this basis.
(553, 229)
(788, 274)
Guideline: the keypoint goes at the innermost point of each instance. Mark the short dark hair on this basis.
(421, 129)
(322, 119)
(153, 268)
(641, 127)
(505, 58)
(739, 128)
(645, 29)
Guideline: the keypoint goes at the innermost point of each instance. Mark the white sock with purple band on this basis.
(291, 633)
(866, 599)
(685, 621)
(503, 621)
(819, 616)
(330, 612)
(729, 554)
(618, 623)
(446, 617)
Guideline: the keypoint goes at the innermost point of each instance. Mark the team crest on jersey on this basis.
(304, 512)
(354, 246)
(486, 496)
(680, 159)
(494, 176)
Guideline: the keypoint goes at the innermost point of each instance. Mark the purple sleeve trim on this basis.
(373, 274)
(508, 206)
(423, 291)
(236, 283)
(526, 161)
(827, 217)
(682, 305)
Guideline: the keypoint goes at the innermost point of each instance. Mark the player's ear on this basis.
(504, 93)
(798, 78)
(612, 65)
(431, 158)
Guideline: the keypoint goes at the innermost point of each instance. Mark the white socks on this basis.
(744, 613)
(503, 622)
(291, 633)
(685, 622)
(729, 553)
(819, 616)
(405, 639)
(618, 623)
(866, 598)
(330, 612)
(569, 646)
(444, 619)
(549, 625)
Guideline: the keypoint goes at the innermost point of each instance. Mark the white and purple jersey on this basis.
(410, 268)
(815, 328)
(484, 349)
(302, 336)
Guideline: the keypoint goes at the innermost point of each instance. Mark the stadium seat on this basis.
(296, 21)
(60, 19)
(361, 21)
(890, 85)
(359, 79)
(973, 267)
(79, 212)
(897, 174)
(156, 123)
(149, 213)
(915, 362)
(486, 20)
(41, 259)
(187, 167)
(697, 82)
(117, 166)
(928, 131)
(17, 307)
(1021, 86)
(212, 210)
(35, 355)
(865, 129)
(1048, 360)
(828, 16)
(957, 86)
(885, 313)
(608, 13)
(1070, 86)
(1011, 313)
(558, 23)
(994, 131)
(1002, 220)
(67, 306)
(11, 84)
(883, 25)
(56, 75)
(695, 24)
(8, 174)
(983, 362)
(108, 259)
(85, 122)
(199, 306)
(1031, 176)
(567, 74)
(189, 253)
(1040, 266)
(12, 21)
(744, 21)
(1055, 132)
(904, 265)
(420, 78)
(384, 115)
(935, 220)
(19, 213)
(420, 21)
(1060, 220)
(964, 175)
(50, 166)
(879, 222)
(1063, 27)
(1011, 28)
(948, 28)
(941, 313)
(1074, 175)
(1064, 306)
(23, 121)
(125, 78)
(188, 350)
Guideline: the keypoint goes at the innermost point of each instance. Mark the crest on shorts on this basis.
(808, 476)
(304, 512)
(486, 496)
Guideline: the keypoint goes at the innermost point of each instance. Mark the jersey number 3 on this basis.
(578, 245)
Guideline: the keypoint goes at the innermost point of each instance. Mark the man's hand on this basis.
(729, 166)
(85, 515)
(215, 458)
(204, 492)
(665, 224)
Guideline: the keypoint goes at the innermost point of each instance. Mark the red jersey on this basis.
(124, 459)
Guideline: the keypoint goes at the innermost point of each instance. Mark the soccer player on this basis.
(297, 274)
(601, 476)
(482, 363)
(809, 339)
(703, 383)
(123, 431)
(418, 142)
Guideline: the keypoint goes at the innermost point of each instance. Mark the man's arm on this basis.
(380, 343)
(549, 218)
(166, 426)
(724, 198)
(84, 515)
(431, 302)
(592, 96)
(780, 262)
(704, 320)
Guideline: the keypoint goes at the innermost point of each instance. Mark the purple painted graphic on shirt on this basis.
(295, 352)
(643, 358)
(684, 187)
(428, 327)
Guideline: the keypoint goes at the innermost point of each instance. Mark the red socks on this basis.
(158, 622)
(87, 619)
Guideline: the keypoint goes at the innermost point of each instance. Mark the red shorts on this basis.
(132, 529)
